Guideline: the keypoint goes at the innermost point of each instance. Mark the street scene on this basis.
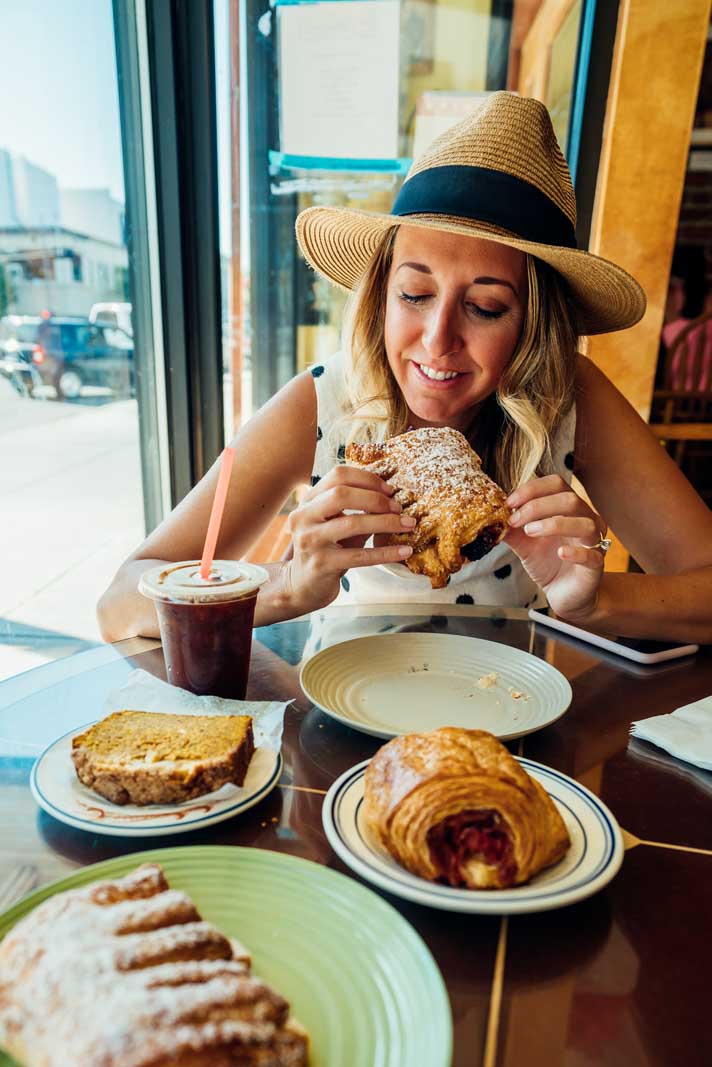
(70, 483)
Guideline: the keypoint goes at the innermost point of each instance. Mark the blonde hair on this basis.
(514, 428)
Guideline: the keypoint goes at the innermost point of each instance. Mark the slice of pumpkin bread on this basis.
(145, 757)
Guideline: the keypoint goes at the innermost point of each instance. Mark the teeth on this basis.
(438, 375)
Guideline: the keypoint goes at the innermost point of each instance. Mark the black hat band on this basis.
(486, 195)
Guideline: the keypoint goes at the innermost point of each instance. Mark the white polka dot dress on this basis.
(496, 579)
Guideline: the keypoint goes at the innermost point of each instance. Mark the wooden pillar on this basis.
(651, 105)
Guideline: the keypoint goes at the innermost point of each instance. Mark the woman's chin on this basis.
(440, 413)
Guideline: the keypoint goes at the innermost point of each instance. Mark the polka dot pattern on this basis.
(316, 372)
(569, 461)
(492, 578)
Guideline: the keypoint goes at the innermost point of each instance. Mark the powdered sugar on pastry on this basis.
(441, 483)
(126, 974)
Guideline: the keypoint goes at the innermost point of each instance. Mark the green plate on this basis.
(356, 974)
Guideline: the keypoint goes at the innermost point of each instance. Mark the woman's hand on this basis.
(327, 542)
(550, 530)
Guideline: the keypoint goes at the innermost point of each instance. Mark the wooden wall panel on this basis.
(651, 105)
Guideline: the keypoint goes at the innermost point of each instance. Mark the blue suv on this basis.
(70, 353)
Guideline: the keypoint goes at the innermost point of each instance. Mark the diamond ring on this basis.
(604, 543)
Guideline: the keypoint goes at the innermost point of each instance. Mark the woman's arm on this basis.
(274, 453)
(658, 516)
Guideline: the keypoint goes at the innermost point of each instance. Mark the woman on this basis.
(469, 300)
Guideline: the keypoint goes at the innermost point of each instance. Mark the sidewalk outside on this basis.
(72, 510)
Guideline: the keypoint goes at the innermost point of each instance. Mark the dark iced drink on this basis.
(206, 625)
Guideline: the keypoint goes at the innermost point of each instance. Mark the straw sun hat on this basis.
(498, 174)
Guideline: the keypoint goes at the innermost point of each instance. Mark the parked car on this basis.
(113, 313)
(72, 352)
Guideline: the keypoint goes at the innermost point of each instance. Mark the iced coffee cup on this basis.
(206, 624)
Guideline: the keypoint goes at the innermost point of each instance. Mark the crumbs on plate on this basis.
(487, 680)
(516, 695)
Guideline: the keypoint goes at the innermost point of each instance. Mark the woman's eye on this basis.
(474, 309)
(482, 313)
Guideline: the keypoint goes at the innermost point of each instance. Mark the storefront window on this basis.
(328, 103)
(71, 478)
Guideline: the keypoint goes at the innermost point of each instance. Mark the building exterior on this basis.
(61, 250)
(61, 271)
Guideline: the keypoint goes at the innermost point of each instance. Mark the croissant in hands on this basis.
(454, 806)
(441, 483)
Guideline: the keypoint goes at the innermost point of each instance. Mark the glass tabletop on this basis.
(598, 971)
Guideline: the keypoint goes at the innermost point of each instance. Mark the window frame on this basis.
(166, 69)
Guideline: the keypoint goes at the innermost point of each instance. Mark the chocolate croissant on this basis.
(441, 483)
(454, 806)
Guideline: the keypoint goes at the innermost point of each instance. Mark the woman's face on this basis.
(454, 313)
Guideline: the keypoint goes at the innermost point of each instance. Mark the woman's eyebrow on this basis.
(482, 280)
(494, 281)
(415, 266)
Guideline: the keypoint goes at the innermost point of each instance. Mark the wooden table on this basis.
(620, 979)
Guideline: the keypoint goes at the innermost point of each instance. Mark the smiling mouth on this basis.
(437, 375)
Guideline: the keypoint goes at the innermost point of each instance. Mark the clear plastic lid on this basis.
(228, 580)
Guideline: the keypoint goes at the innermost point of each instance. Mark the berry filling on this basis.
(485, 540)
(480, 834)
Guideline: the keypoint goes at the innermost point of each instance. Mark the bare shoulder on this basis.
(594, 388)
(287, 419)
(294, 402)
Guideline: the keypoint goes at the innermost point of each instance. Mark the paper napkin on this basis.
(685, 734)
(143, 692)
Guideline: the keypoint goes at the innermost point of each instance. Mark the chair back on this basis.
(688, 364)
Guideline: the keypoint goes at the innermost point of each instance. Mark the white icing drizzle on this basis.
(77, 988)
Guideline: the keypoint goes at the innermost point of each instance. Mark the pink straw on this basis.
(211, 538)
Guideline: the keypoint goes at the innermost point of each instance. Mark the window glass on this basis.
(71, 481)
(328, 103)
(308, 95)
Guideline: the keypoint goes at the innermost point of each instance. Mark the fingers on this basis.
(551, 483)
(581, 527)
(367, 557)
(348, 526)
(344, 475)
(556, 504)
(585, 557)
(313, 537)
(334, 502)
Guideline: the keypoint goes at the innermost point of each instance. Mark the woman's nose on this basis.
(441, 335)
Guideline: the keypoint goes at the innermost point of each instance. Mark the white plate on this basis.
(393, 684)
(59, 792)
(594, 857)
